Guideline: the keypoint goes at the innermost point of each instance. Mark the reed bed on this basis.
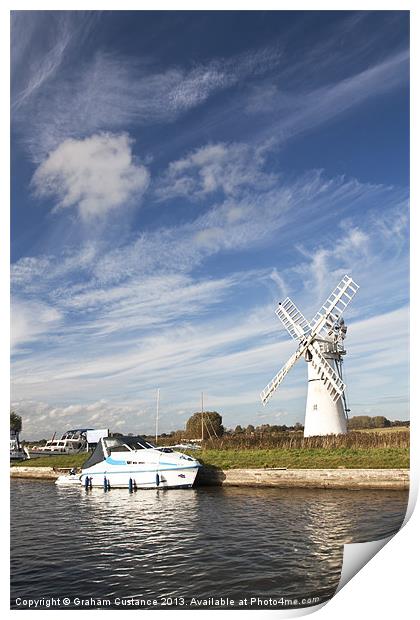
(296, 440)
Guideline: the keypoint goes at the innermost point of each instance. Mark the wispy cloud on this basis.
(36, 59)
(287, 94)
(327, 263)
(249, 220)
(300, 111)
(32, 320)
(234, 224)
(227, 168)
(110, 91)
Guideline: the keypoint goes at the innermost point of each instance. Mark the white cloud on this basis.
(42, 419)
(95, 174)
(215, 167)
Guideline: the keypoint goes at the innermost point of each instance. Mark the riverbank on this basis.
(306, 458)
(391, 479)
(276, 457)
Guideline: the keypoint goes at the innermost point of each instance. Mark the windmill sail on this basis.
(275, 382)
(330, 378)
(293, 319)
(333, 307)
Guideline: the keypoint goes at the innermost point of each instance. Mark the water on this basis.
(205, 542)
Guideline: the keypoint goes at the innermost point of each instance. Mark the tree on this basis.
(239, 429)
(15, 422)
(359, 421)
(380, 421)
(250, 429)
(209, 422)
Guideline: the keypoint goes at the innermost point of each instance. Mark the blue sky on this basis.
(176, 174)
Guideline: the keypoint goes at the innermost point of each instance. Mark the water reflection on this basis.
(196, 542)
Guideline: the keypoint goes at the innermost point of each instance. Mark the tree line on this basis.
(210, 424)
(378, 421)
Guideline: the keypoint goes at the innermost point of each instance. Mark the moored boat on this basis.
(17, 451)
(132, 462)
(72, 442)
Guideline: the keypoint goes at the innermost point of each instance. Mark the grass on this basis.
(69, 460)
(309, 458)
(293, 458)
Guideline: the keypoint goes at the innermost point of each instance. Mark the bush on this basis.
(209, 423)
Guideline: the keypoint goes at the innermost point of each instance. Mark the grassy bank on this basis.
(315, 458)
(293, 458)
(73, 460)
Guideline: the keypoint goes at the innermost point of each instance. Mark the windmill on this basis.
(321, 345)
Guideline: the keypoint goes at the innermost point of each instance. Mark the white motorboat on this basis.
(72, 442)
(132, 462)
(17, 451)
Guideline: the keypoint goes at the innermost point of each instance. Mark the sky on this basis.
(174, 175)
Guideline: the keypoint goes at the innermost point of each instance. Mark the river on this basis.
(203, 546)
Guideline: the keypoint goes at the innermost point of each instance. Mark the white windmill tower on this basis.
(321, 344)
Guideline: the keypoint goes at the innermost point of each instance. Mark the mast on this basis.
(202, 416)
(157, 413)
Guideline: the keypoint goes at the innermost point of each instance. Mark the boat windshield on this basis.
(97, 456)
(126, 443)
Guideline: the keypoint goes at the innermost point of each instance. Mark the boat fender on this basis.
(134, 485)
(108, 485)
(86, 482)
(130, 485)
(105, 484)
(90, 482)
(157, 480)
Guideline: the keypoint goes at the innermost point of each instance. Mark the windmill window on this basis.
(315, 407)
